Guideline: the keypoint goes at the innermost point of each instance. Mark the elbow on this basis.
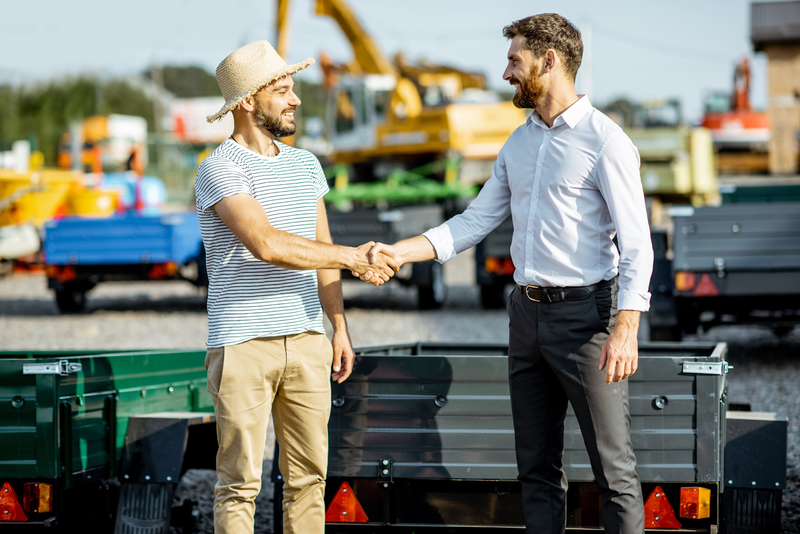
(262, 251)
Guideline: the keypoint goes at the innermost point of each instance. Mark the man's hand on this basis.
(373, 268)
(620, 354)
(342, 350)
(377, 251)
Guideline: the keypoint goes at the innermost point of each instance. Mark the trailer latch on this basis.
(62, 367)
(385, 471)
(700, 368)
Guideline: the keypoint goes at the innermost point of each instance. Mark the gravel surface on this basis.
(172, 315)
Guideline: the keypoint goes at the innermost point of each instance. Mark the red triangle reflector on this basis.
(10, 508)
(705, 288)
(658, 512)
(345, 508)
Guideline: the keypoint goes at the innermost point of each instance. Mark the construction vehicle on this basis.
(740, 134)
(383, 115)
(422, 440)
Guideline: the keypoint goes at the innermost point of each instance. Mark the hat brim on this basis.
(235, 101)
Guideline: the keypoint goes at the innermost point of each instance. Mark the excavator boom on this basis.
(367, 54)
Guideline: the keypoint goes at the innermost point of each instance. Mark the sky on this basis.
(639, 49)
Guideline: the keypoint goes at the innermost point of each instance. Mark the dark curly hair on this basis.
(550, 30)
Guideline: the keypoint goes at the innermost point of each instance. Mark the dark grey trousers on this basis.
(553, 357)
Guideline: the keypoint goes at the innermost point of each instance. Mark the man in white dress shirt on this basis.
(569, 178)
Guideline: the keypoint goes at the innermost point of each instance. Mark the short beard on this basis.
(274, 124)
(531, 91)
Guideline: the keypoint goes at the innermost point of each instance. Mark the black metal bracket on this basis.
(386, 479)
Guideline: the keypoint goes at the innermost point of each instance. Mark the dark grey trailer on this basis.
(737, 263)
(359, 226)
(421, 434)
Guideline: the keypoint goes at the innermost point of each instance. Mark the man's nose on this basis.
(507, 74)
(294, 100)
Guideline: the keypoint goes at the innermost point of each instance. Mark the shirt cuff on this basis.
(442, 241)
(631, 300)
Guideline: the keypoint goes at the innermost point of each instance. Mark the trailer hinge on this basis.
(699, 368)
(385, 471)
(62, 367)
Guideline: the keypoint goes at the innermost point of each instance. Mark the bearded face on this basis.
(531, 90)
(278, 123)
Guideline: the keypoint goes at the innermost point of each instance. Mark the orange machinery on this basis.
(740, 134)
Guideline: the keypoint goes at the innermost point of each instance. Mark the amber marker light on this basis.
(695, 503)
(37, 497)
(684, 281)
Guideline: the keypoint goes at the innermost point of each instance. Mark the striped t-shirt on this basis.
(249, 298)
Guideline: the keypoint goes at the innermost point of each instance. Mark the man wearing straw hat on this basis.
(272, 271)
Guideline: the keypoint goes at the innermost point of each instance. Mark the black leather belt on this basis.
(556, 294)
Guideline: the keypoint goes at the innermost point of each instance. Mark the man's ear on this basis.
(550, 60)
(248, 104)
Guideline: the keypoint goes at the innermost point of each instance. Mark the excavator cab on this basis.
(356, 106)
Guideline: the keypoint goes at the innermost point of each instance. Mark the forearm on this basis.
(414, 249)
(330, 296)
(628, 320)
(294, 252)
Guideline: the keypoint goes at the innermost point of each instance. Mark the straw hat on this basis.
(247, 70)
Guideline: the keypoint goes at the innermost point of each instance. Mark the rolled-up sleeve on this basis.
(484, 214)
(619, 181)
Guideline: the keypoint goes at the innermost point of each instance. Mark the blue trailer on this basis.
(79, 253)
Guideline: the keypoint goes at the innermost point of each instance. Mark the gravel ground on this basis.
(172, 315)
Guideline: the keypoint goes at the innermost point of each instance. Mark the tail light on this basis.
(658, 512)
(706, 287)
(684, 281)
(695, 503)
(64, 273)
(37, 497)
(162, 270)
(345, 508)
(501, 266)
(10, 509)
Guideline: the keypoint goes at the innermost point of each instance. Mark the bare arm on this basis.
(330, 296)
(620, 354)
(246, 218)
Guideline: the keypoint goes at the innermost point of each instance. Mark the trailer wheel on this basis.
(492, 296)
(71, 299)
(432, 294)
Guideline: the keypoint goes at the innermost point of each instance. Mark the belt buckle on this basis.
(529, 295)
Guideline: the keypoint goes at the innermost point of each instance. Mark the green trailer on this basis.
(100, 437)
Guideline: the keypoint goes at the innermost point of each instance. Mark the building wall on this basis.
(783, 79)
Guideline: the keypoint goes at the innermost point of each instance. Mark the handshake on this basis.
(376, 263)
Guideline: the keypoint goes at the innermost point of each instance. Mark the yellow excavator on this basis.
(383, 114)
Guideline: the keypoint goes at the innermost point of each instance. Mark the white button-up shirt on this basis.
(570, 189)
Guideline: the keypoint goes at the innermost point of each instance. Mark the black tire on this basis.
(493, 296)
(433, 294)
(71, 299)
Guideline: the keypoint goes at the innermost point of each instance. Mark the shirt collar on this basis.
(571, 116)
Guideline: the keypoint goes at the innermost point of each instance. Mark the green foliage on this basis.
(44, 112)
(188, 82)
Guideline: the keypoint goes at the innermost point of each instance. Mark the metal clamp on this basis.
(385, 471)
(711, 368)
(62, 367)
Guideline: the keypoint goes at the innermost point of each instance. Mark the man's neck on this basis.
(556, 102)
(255, 139)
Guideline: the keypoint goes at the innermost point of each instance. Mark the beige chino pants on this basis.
(290, 376)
